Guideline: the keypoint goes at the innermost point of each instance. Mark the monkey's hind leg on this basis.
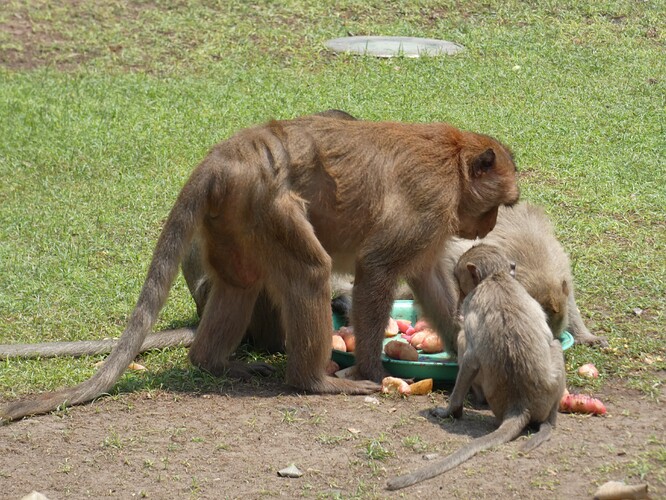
(225, 319)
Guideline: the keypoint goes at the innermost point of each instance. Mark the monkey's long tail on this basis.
(510, 429)
(158, 340)
(186, 215)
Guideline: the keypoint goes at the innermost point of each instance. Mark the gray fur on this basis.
(509, 351)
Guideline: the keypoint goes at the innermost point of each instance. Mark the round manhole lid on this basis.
(393, 46)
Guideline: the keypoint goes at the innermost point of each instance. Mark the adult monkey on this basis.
(264, 331)
(278, 205)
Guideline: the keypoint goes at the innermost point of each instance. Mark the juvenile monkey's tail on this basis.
(510, 429)
(185, 216)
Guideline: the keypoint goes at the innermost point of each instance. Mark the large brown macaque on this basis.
(278, 207)
(507, 348)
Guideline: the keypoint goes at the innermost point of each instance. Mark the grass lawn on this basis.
(105, 108)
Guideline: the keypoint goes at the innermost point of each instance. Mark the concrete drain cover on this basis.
(393, 46)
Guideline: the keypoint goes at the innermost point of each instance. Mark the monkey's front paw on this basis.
(591, 340)
(440, 412)
(245, 371)
(447, 412)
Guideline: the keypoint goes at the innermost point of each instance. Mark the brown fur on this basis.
(276, 206)
(509, 350)
(264, 332)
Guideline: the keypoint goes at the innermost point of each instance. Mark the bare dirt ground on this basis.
(232, 444)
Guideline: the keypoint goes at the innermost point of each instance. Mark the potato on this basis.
(347, 334)
(401, 350)
(394, 384)
(421, 325)
(417, 338)
(581, 403)
(588, 370)
(392, 328)
(338, 343)
(421, 387)
(432, 343)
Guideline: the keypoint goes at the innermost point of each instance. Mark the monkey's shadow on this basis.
(186, 378)
(477, 420)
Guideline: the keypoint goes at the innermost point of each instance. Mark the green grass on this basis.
(106, 107)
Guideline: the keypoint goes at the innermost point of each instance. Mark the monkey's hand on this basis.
(591, 340)
(245, 371)
(447, 412)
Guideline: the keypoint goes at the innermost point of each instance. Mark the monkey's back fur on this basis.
(512, 339)
(526, 236)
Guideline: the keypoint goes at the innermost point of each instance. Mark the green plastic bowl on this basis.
(439, 366)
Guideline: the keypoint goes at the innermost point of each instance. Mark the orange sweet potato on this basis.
(421, 387)
(581, 403)
(347, 334)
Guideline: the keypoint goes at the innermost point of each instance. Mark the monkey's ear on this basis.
(483, 163)
(474, 273)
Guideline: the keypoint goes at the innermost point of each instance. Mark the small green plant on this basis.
(375, 450)
(113, 440)
(289, 416)
(414, 443)
(331, 440)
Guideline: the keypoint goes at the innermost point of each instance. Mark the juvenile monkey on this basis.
(508, 349)
(526, 236)
(277, 207)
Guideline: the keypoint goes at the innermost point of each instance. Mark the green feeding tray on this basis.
(440, 366)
